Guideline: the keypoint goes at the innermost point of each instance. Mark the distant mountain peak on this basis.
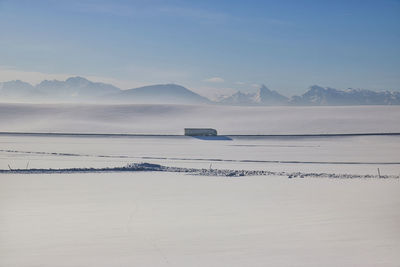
(76, 78)
(269, 97)
(77, 81)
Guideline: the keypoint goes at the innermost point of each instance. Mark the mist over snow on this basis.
(172, 119)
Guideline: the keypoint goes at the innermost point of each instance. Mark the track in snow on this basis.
(202, 159)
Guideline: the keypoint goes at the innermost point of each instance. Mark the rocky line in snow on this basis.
(133, 167)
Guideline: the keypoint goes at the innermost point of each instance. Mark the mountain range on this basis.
(78, 89)
(321, 96)
(263, 97)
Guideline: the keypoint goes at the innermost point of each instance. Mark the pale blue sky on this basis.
(212, 47)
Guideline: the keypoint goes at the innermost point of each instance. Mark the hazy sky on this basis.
(212, 47)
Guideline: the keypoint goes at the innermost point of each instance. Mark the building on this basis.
(200, 132)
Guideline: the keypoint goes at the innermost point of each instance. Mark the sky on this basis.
(211, 47)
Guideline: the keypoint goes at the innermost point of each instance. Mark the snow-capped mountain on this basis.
(321, 96)
(264, 97)
(240, 99)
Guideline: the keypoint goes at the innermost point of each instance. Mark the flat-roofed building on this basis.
(200, 132)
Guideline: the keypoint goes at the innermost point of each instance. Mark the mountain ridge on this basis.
(78, 89)
(160, 93)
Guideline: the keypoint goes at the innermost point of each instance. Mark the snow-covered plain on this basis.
(176, 219)
(158, 219)
(346, 154)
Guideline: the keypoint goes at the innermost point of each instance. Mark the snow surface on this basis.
(169, 219)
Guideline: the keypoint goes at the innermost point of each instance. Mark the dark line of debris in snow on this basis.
(133, 167)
